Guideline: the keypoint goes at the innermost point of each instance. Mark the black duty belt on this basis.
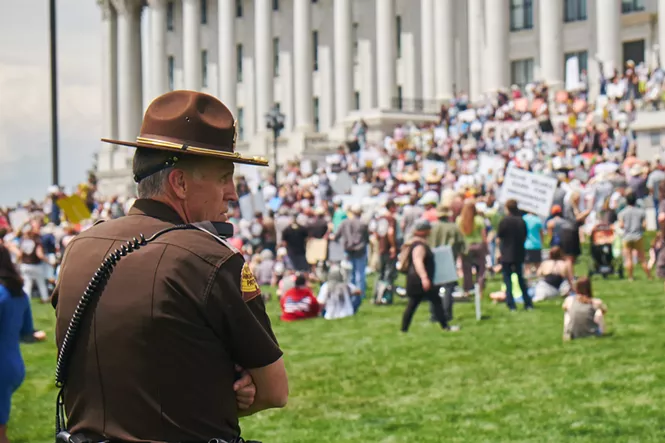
(65, 437)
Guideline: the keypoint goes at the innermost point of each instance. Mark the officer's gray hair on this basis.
(155, 184)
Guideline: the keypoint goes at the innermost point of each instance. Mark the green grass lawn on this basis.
(508, 377)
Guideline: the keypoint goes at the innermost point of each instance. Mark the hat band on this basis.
(184, 145)
(160, 141)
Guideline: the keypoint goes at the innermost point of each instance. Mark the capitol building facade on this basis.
(327, 63)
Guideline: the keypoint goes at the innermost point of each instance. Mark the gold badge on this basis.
(248, 286)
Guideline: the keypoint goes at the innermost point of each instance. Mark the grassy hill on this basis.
(508, 377)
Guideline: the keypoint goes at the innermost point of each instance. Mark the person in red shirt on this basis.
(299, 303)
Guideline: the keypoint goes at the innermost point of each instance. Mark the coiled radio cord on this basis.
(94, 289)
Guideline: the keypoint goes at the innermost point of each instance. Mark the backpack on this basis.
(404, 256)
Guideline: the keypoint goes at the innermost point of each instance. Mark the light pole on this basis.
(55, 176)
(275, 121)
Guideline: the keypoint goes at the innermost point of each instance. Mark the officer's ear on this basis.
(178, 183)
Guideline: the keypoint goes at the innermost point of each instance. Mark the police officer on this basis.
(178, 345)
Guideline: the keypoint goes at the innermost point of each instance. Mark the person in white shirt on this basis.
(338, 298)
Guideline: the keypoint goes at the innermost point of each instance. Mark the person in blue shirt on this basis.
(15, 324)
(533, 244)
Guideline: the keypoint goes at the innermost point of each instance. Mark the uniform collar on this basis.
(155, 209)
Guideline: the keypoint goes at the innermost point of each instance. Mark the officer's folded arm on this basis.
(249, 336)
(272, 388)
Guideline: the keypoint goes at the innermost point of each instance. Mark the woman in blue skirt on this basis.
(15, 324)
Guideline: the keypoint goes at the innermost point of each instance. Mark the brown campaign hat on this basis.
(190, 122)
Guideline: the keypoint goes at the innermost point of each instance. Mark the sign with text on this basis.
(533, 192)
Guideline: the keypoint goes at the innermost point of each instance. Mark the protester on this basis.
(338, 298)
(512, 235)
(584, 315)
(15, 324)
(419, 277)
(298, 302)
(632, 220)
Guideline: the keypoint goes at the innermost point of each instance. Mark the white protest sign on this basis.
(18, 217)
(342, 183)
(572, 74)
(445, 270)
(246, 207)
(493, 163)
(533, 192)
(361, 190)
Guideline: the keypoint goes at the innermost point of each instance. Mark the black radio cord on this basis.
(94, 289)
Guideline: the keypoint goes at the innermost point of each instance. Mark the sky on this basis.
(25, 97)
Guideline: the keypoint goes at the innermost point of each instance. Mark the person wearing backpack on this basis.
(419, 277)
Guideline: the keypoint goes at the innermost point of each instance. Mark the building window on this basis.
(574, 10)
(238, 8)
(204, 12)
(356, 99)
(241, 124)
(521, 72)
(171, 70)
(275, 5)
(316, 114)
(628, 6)
(399, 97)
(582, 61)
(315, 48)
(204, 68)
(355, 43)
(275, 57)
(398, 32)
(239, 63)
(170, 8)
(521, 15)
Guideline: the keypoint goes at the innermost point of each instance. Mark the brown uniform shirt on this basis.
(155, 362)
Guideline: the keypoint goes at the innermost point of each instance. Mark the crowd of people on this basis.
(383, 207)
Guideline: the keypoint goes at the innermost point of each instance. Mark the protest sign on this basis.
(18, 217)
(445, 270)
(246, 207)
(342, 183)
(74, 208)
(533, 192)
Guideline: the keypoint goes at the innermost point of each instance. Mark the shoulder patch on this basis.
(248, 286)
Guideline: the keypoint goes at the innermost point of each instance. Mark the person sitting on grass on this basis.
(584, 315)
(337, 297)
(556, 277)
(299, 303)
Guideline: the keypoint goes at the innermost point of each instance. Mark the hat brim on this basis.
(234, 157)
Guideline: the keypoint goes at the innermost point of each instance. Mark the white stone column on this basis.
(109, 82)
(551, 43)
(343, 30)
(264, 60)
(386, 49)
(661, 31)
(191, 44)
(427, 60)
(303, 63)
(227, 59)
(444, 18)
(159, 59)
(130, 74)
(608, 33)
(496, 64)
(476, 31)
